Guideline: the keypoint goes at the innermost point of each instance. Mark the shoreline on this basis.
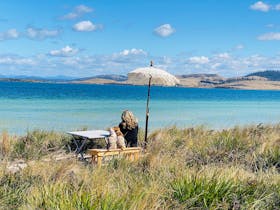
(141, 130)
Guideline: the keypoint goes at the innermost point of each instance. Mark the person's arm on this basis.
(136, 132)
(122, 129)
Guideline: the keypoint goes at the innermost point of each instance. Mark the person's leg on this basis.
(134, 143)
(128, 144)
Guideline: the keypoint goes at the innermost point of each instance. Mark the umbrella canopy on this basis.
(140, 76)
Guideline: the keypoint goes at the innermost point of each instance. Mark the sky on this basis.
(82, 38)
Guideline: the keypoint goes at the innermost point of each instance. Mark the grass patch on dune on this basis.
(219, 192)
(38, 143)
(192, 168)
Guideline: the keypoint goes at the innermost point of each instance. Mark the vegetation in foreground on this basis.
(192, 168)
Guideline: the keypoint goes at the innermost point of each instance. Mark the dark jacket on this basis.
(131, 136)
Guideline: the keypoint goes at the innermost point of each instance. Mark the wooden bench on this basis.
(132, 153)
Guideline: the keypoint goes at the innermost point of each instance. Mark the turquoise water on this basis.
(66, 107)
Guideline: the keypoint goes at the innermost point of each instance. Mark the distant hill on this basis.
(58, 78)
(115, 77)
(101, 79)
(198, 75)
(18, 80)
(271, 75)
(200, 80)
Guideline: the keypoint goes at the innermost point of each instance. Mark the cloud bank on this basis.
(269, 37)
(67, 61)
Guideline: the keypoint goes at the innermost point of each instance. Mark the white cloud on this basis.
(269, 36)
(83, 9)
(40, 34)
(64, 52)
(239, 47)
(10, 34)
(277, 7)
(78, 12)
(133, 51)
(260, 6)
(70, 16)
(216, 65)
(164, 30)
(86, 26)
(231, 66)
(223, 55)
(16, 60)
(31, 33)
(199, 60)
(270, 25)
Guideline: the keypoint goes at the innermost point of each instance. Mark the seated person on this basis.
(129, 128)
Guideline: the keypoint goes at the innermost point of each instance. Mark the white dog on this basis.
(112, 140)
(120, 138)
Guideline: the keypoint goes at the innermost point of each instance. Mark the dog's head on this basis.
(112, 132)
(118, 131)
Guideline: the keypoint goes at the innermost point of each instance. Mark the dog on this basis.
(120, 138)
(112, 140)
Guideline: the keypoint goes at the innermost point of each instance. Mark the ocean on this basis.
(68, 107)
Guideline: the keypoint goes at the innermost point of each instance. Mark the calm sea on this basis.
(67, 107)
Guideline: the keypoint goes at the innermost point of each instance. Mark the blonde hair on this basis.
(128, 120)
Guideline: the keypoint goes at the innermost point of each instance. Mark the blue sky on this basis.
(92, 37)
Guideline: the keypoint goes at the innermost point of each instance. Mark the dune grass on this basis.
(192, 168)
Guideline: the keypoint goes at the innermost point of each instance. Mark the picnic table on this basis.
(81, 137)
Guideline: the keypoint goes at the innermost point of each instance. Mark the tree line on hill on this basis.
(273, 75)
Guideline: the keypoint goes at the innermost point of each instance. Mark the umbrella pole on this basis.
(147, 114)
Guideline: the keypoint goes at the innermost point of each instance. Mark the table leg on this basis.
(79, 150)
(76, 144)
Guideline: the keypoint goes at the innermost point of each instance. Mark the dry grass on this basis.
(191, 168)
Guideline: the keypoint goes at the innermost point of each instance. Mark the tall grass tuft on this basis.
(5, 144)
(219, 192)
(38, 143)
